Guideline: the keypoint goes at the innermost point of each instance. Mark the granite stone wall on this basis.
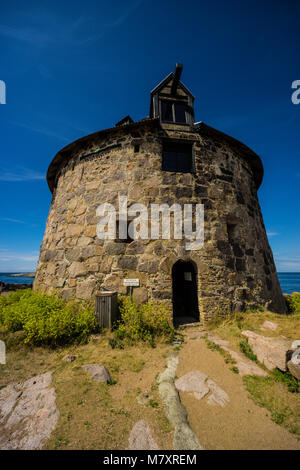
(235, 268)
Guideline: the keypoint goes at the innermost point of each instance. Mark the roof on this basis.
(64, 155)
(165, 81)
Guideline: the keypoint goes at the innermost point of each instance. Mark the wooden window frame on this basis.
(179, 142)
(173, 104)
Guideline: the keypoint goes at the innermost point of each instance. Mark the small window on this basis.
(167, 111)
(122, 240)
(231, 232)
(177, 157)
(180, 113)
(173, 112)
(136, 148)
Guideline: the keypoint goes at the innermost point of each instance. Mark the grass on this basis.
(279, 391)
(215, 347)
(94, 415)
(288, 379)
(231, 328)
(284, 407)
(247, 350)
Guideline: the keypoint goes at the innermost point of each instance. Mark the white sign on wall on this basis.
(132, 282)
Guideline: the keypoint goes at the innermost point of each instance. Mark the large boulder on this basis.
(28, 413)
(272, 352)
(98, 372)
(269, 325)
(141, 438)
(294, 369)
(294, 364)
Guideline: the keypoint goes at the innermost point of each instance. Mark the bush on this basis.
(143, 322)
(46, 319)
(293, 302)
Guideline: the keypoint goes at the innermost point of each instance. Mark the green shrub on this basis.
(247, 350)
(143, 322)
(46, 319)
(293, 302)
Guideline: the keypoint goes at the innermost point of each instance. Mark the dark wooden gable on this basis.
(171, 101)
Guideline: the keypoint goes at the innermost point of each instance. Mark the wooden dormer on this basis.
(171, 101)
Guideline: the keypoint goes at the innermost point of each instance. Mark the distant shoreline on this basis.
(21, 275)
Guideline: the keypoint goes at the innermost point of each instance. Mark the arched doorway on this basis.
(184, 288)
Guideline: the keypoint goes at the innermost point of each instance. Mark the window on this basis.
(167, 111)
(231, 232)
(177, 157)
(180, 113)
(122, 240)
(173, 112)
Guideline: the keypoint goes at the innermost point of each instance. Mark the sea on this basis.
(290, 282)
(4, 277)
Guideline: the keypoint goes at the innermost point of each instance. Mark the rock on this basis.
(200, 385)
(194, 382)
(77, 269)
(244, 365)
(98, 372)
(269, 325)
(295, 344)
(272, 352)
(218, 395)
(184, 436)
(69, 358)
(295, 359)
(28, 413)
(144, 398)
(128, 262)
(140, 437)
(294, 369)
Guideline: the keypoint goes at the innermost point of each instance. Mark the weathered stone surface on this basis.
(98, 372)
(295, 344)
(141, 438)
(77, 269)
(295, 359)
(128, 262)
(200, 385)
(269, 325)
(244, 365)
(236, 245)
(184, 436)
(294, 369)
(140, 295)
(86, 289)
(69, 358)
(193, 381)
(218, 396)
(272, 352)
(28, 413)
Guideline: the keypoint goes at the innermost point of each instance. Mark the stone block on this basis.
(272, 352)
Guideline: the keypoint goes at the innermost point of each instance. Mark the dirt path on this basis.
(241, 424)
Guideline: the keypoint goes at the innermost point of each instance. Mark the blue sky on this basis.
(73, 67)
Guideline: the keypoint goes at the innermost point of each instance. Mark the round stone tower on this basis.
(163, 159)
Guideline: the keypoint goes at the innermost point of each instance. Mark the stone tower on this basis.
(165, 158)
